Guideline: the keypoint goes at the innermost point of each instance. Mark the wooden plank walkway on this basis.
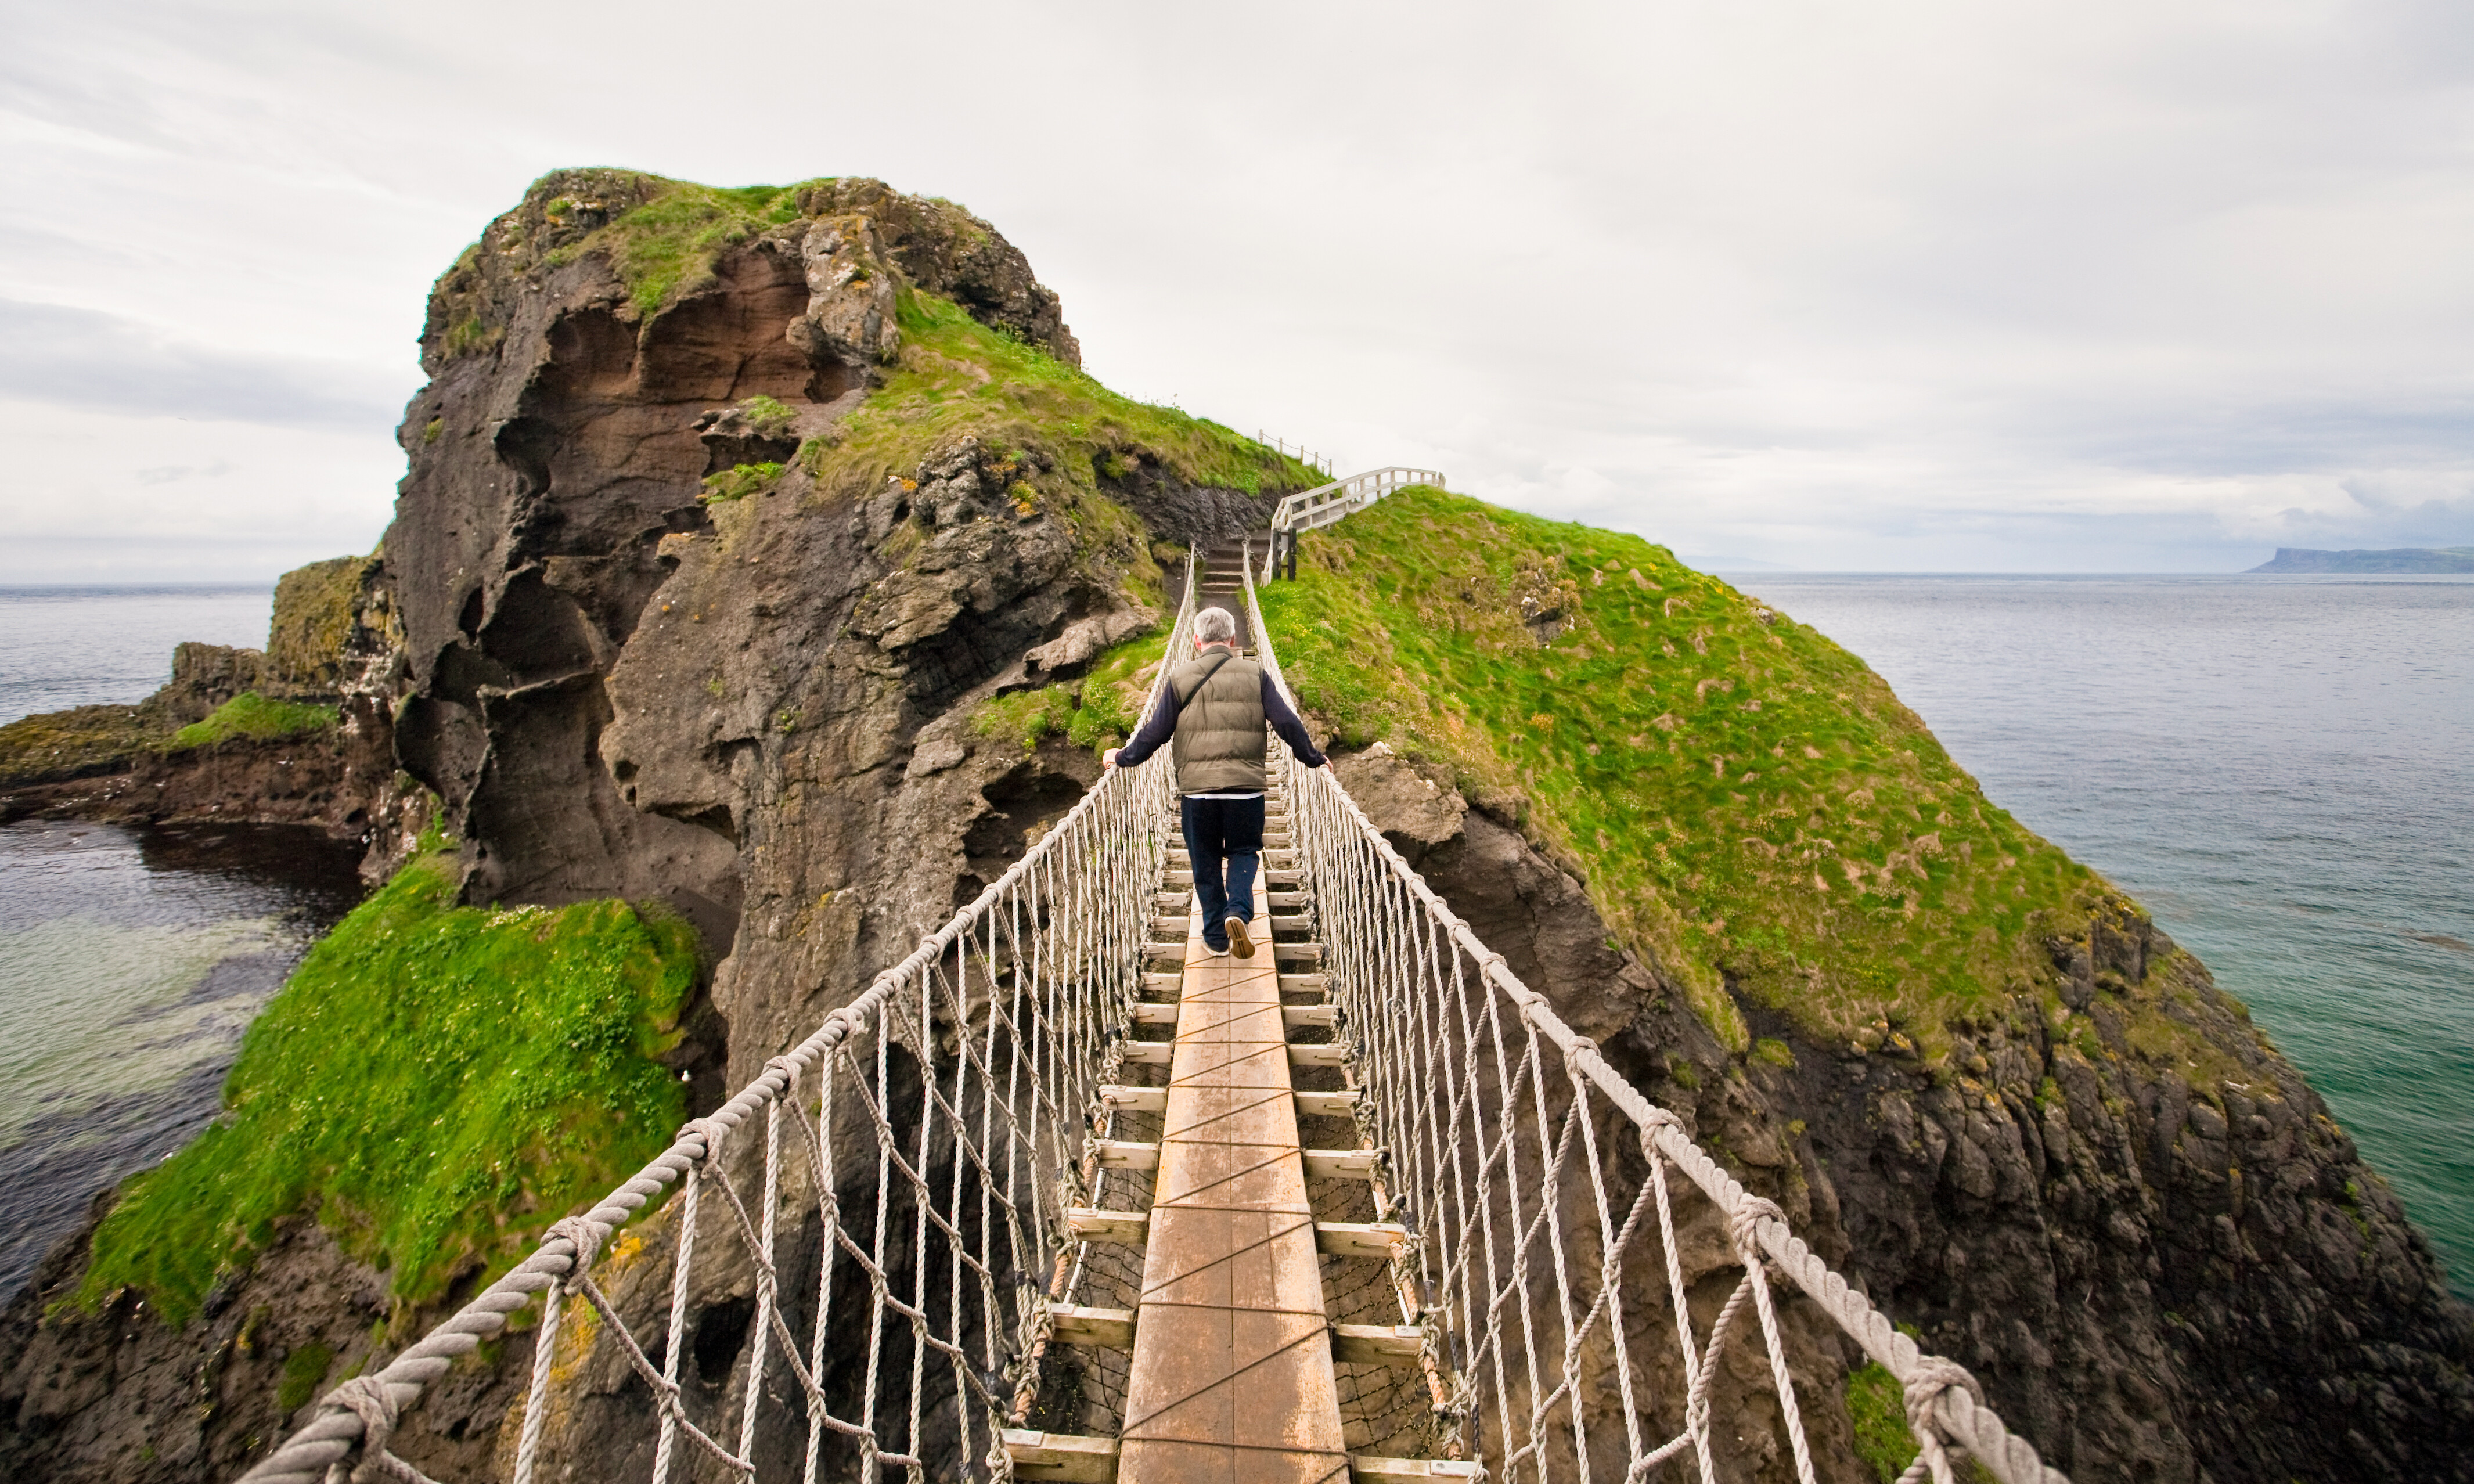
(1232, 1366)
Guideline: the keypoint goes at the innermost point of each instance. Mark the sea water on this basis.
(130, 959)
(2281, 768)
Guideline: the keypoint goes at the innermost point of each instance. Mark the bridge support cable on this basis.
(1534, 1180)
(917, 1154)
(1326, 503)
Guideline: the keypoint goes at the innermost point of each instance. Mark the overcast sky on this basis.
(1938, 287)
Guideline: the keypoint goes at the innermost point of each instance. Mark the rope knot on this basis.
(367, 1397)
(1932, 1377)
(704, 1128)
(1923, 1387)
(1744, 1218)
(583, 1234)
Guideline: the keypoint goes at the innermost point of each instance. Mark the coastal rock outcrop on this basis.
(731, 513)
(2153, 1280)
(672, 611)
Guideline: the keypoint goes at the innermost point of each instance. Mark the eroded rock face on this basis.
(756, 710)
(2151, 1282)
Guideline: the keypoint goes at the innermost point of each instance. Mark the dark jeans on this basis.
(1218, 830)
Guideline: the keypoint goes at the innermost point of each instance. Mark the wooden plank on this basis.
(1297, 953)
(1163, 983)
(1321, 1104)
(1125, 1154)
(1295, 923)
(1328, 1053)
(1296, 1015)
(1108, 1328)
(1137, 1099)
(1376, 1345)
(1276, 900)
(1359, 1239)
(1366, 1468)
(1064, 1457)
(1149, 1053)
(1156, 1015)
(1091, 1224)
(1329, 1163)
(1305, 984)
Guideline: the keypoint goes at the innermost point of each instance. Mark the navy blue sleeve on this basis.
(1276, 711)
(1157, 729)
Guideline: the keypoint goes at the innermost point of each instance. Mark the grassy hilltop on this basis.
(1745, 800)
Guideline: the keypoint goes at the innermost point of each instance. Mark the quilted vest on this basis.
(1219, 741)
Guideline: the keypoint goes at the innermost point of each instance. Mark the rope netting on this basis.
(890, 1193)
(1551, 1253)
(884, 1210)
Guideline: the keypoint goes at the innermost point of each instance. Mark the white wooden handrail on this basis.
(1326, 503)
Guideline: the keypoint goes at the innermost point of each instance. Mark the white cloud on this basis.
(1911, 286)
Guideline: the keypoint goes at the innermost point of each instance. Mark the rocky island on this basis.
(2401, 559)
(768, 573)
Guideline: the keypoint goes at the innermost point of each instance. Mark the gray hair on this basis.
(1215, 625)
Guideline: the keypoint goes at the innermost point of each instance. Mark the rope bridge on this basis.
(954, 1205)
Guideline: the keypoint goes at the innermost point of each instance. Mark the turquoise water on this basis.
(130, 959)
(2282, 768)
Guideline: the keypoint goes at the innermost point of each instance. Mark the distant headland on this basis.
(2404, 559)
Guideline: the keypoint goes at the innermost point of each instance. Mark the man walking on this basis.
(1215, 705)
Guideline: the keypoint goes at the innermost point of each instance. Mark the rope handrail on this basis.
(1386, 974)
(1095, 972)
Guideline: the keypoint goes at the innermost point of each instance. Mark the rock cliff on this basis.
(730, 513)
(726, 511)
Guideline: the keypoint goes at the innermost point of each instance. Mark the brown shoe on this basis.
(1240, 942)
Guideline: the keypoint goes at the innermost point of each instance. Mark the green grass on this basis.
(738, 483)
(435, 1084)
(1098, 711)
(303, 1370)
(72, 743)
(957, 377)
(313, 620)
(767, 415)
(1745, 800)
(668, 245)
(251, 714)
(1879, 1409)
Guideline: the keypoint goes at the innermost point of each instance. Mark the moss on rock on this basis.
(435, 1084)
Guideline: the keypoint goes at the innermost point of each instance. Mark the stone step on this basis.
(1067, 1458)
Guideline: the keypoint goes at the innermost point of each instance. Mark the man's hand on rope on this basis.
(1108, 760)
